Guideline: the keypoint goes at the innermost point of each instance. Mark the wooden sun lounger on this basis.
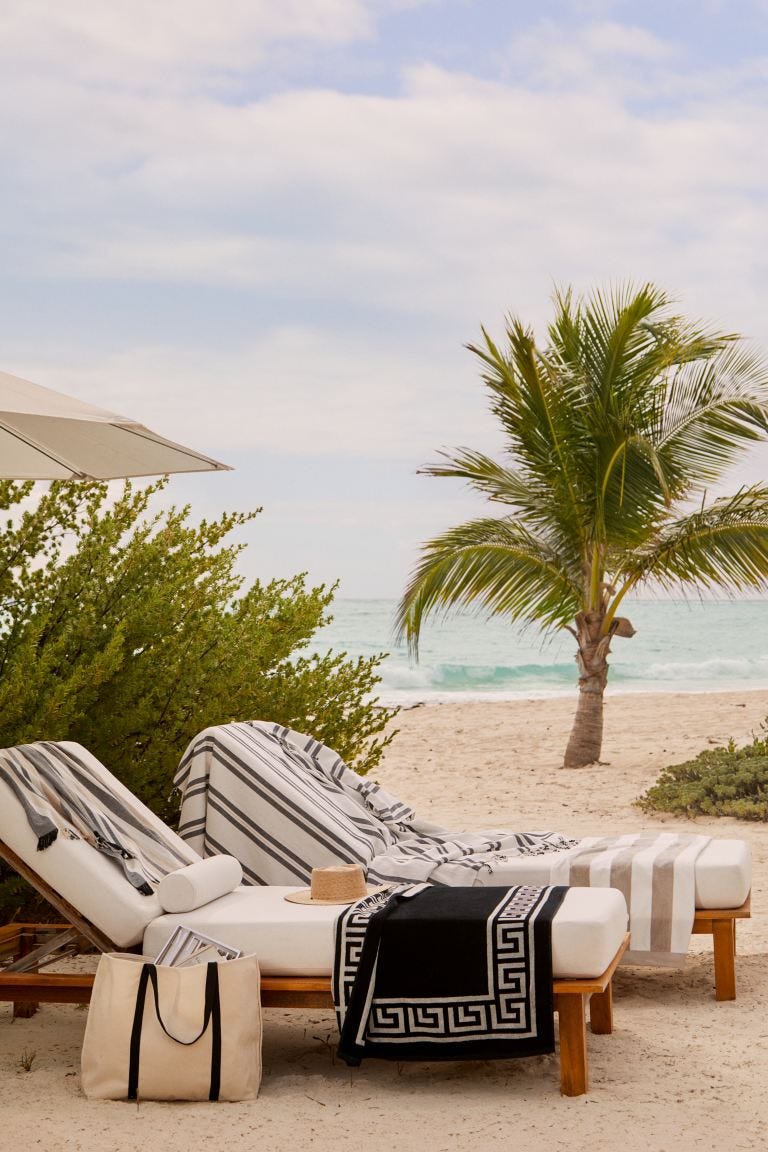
(28, 942)
(32, 947)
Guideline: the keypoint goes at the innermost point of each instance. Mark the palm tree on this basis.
(614, 430)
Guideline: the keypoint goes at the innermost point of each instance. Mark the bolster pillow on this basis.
(199, 883)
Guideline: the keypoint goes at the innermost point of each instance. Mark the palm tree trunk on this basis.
(586, 739)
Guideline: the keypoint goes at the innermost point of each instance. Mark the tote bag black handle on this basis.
(211, 1015)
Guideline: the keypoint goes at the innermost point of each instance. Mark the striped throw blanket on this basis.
(62, 792)
(283, 804)
(657, 875)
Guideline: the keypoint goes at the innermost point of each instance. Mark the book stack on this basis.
(185, 947)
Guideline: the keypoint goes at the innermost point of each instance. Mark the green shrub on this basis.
(726, 781)
(130, 632)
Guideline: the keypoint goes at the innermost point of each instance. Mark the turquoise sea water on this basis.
(679, 647)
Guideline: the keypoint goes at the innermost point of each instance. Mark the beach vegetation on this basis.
(726, 781)
(130, 630)
(617, 427)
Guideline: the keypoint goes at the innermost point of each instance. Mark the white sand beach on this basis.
(680, 1072)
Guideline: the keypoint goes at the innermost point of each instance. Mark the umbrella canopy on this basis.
(45, 435)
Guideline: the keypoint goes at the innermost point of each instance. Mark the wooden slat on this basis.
(274, 986)
(296, 984)
(47, 987)
(296, 992)
(76, 988)
(705, 917)
(10, 940)
(28, 926)
(11, 932)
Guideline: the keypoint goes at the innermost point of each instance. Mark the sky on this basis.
(269, 230)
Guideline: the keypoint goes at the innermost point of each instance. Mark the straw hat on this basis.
(341, 884)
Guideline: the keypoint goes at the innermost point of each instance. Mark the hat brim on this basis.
(305, 896)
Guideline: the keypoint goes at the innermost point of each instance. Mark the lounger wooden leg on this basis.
(573, 1044)
(724, 937)
(23, 1009)
(601, 1012)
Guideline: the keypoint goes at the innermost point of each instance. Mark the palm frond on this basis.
(623, 343)
(643, 446)
(595, 338)
(495, 565)
(711, 410)
(616, 339)
(489, 477)
(625, 346)
(722, 545)
(539, 413)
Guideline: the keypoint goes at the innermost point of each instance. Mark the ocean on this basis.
(679, 646)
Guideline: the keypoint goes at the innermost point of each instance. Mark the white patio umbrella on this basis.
(45, 435)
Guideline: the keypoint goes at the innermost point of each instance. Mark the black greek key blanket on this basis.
(445, 973)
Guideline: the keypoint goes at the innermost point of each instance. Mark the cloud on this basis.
(423, 213)
(366, 237)
(610, 38)
(298, 390)
(594, 9)
(601, 55)
(152, 44)
(432, 201)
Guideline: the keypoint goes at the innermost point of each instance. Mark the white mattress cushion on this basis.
(297, 939)
(85, 877)
(723, 873)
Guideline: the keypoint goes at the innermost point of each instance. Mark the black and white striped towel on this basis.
(283, 804)
(61, 791)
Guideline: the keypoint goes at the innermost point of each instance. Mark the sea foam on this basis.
(678, 647)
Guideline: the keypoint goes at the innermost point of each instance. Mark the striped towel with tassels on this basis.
(283, 803)
(60, 793)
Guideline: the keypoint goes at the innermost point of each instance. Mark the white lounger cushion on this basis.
(297, 939)
(723, 873)
(199, 883)
(85, 877)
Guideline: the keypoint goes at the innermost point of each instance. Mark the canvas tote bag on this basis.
(163, 1033)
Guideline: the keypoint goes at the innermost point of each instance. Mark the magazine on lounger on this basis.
(185, 947)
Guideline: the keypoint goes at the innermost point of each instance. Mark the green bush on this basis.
(726, 781)
(130, 632)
